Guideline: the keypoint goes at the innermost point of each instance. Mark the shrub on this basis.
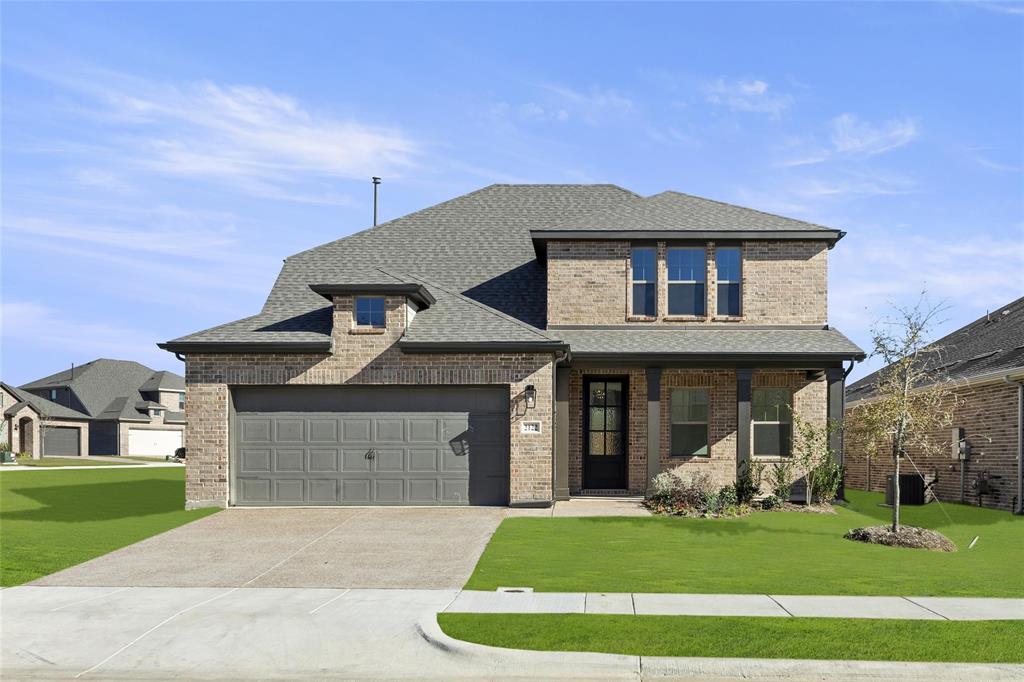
(781, 479)
(728, 497)
(770, 502)
(826, 478)
(748, 482)
(682, 492)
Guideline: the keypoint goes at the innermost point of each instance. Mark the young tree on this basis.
(814, 456)
(913, 394)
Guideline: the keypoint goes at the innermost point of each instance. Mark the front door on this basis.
(604, 433)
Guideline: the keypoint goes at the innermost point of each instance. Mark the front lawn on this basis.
(809, 638)
(764, 553)
(50, 520)
(70, 461)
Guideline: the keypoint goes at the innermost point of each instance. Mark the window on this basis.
(728, 263)
(770, 413)
(686, 277)
(370, 311)
(181, 402)
(645, 281)
(53, 394)
(689, 422)
(157, 413)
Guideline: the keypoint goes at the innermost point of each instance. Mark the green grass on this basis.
(766, 553)
(54, 519)
(70, 461)
(809, 638)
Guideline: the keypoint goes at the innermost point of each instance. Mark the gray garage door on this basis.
(60, 441)
(370, 445)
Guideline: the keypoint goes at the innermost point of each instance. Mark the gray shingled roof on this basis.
(989, 345)
(163, 381)
(674, 211)
(477, 245)
(44, 407)
(107, 389)
(708, 341)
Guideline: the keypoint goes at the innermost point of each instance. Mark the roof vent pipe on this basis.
(376, 183)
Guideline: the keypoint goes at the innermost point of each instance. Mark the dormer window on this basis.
(53, 394)
(645, 281)
(370, 311)
(728, 263)
(686, 278)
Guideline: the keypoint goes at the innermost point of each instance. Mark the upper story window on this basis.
(157, 413)
(53, 394)
(772, 421)
(689, 422)
(645, 281)
(728, 264)
(686, 278)
(181, 401)
(370, 311)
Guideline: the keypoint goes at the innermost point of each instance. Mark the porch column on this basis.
(653, 423)
(562, 433)
(835, 376)
(743, 390)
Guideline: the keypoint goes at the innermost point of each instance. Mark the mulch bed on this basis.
(910, 537)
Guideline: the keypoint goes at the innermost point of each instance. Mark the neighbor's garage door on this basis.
(370, 445)
(154, 442)
(61, 441)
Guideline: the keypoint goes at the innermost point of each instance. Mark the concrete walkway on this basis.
(145, 633)
(784, 606)
(132, 464)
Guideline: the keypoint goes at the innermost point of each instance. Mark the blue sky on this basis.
(160, 160)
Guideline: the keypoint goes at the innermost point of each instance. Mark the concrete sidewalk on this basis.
(144, 633)
(785, 606)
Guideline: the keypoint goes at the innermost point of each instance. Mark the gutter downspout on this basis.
(559, 356)
(1018, 508)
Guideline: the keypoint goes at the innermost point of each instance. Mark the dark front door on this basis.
(604, 433)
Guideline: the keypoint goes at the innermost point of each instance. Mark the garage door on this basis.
(61, 441)
(153, 442)
(364, 445)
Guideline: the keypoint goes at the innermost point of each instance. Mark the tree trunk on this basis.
(895, 487)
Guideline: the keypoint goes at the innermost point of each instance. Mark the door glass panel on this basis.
(614, 392)
(597, 392)
(597, 420)
(614, 444)
(612, 418)
(596, 443)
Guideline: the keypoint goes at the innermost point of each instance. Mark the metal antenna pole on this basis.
(376, 183)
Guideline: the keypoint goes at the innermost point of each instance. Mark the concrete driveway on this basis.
(422, 548)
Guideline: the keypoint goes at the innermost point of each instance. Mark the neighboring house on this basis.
(516, 345)
(128, 408)
(984, 363)
(35, 426)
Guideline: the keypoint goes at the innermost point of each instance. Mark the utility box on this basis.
(960, 448)
(911, 490)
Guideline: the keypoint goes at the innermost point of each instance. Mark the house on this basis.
(984, 363)
(517, 345)
(105, 407)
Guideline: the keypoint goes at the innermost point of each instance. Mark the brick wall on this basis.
(784, 282)
(362, 358)
(809, 401)
(987, 412)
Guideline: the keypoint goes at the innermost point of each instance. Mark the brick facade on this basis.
(809, 401)
(363, 358)
(987, 413)
(783, 282)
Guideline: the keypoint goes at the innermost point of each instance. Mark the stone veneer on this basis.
(363, 357)
(784, 282)
(987, 413)
(809, 401)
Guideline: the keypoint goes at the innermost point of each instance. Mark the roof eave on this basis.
(417, 292)
(738, 359)
(246, 347)
(481, 346)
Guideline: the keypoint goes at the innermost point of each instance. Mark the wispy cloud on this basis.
(754, 96)
(850, 137)
(260, 141)
(856, 137)
(1014, 8)
(592, 106)
(977, 155)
